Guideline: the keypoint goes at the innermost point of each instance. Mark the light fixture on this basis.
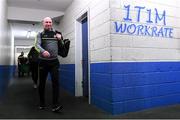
(28, 34)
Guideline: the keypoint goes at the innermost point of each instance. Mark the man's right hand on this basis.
(46, 54)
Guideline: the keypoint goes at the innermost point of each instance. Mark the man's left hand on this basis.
(58, 36)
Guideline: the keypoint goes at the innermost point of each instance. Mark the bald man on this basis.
(46, 43)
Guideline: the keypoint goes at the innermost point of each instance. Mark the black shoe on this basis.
(34, 86)
(42, 107)
(57, 108)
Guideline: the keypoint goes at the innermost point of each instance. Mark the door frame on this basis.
(18, 53)
(78, 53)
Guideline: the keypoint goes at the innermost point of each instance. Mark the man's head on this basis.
(47, 23)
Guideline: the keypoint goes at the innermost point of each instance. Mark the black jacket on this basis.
(33, 55)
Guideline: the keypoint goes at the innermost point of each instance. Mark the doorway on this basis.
(82, 82)
(85, 57)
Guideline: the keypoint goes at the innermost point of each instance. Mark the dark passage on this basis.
(21, 101)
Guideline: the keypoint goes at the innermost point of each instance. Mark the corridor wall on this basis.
(145, 63)
(99, 33)
(6, 50)
(134, 53)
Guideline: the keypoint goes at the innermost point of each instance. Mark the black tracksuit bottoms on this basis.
(52, 67)
(34, 71)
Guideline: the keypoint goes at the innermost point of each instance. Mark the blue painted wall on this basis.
(131, 86)
(67, 77)
(6, 73)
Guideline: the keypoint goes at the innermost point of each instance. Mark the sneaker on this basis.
(34, 86)
(57, 108)
(42, 107)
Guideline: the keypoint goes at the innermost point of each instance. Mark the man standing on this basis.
(46, 44)
(21, 62)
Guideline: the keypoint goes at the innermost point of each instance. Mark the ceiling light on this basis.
(28, 34)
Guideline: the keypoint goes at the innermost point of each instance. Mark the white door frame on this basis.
(78, 53)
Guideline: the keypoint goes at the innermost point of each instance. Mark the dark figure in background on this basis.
(21, 62)
(47, 45)
(33, 64)
(26, 66)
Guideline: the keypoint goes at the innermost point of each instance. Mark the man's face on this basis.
(47, 23)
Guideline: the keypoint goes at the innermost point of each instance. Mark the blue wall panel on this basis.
(6, 73)
(101, 79)
(100, 68)
(67, 77)
(132, 86)
(101, 92)
(103, 104)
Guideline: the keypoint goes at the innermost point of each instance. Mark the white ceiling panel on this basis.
(56, 5)
(26, 15)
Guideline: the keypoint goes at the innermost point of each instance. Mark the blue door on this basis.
(85, 56)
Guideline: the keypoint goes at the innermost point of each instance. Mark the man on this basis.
(33, 64)
(46, 44)
(20, 64)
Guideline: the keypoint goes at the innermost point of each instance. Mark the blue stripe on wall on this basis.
(6, 73)
(67, 77)
(120, 87)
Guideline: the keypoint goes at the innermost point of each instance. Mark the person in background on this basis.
(33, 64)
(46, 44)
(21, 61)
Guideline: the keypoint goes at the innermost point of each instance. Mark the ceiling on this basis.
(56, 5)
(36, 10)
(25, 15)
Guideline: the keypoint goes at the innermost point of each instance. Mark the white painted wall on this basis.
(26, 14)
(105, 45)
(11, 38)
(144, 48)
(99, 29)
(5, 33)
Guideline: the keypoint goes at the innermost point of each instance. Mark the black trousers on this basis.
(52, 67)
(20, 71)
(34, 71)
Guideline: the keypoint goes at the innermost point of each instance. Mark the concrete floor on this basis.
(21, 102)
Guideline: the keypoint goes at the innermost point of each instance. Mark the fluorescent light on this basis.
(28, 34)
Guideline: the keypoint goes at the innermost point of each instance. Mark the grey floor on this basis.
(21, 101)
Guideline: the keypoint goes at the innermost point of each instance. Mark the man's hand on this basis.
(58, 36)
(46, 54)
